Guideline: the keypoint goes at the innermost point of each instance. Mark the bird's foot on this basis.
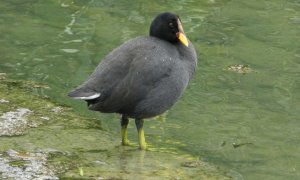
(128, 143)
(143, 146)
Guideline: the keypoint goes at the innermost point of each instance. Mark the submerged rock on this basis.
(240, 68)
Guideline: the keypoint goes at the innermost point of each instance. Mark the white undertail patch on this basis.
(94, 96)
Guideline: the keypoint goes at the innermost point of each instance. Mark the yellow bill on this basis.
(183, 39)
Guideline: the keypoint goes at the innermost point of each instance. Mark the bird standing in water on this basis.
(143, 77)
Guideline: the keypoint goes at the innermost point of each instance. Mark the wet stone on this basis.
(45, 118)
(3, 101)
(25, 166)
(57, 109)
(14, 122)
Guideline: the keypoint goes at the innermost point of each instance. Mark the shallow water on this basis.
(246, 124)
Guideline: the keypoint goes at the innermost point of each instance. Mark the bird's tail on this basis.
(84, 93)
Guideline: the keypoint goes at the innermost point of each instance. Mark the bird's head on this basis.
(167, 26)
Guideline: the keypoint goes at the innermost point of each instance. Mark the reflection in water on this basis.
(131, 163)
(133, 158)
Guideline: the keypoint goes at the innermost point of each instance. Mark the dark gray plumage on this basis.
(145, 76)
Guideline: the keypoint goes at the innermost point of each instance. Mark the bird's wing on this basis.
(107, 75)
(127, 74)
(146, 70)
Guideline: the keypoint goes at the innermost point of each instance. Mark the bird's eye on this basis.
(171, 25)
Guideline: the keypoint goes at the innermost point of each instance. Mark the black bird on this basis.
(143, 77)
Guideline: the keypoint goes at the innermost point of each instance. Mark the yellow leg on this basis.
(142, 140)
(125, 140)
(124, 124)
(139, 126)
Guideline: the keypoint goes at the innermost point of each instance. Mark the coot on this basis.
(143, 77)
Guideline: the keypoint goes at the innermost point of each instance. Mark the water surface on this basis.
(59, 43)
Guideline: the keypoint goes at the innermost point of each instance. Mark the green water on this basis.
(59, 43)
